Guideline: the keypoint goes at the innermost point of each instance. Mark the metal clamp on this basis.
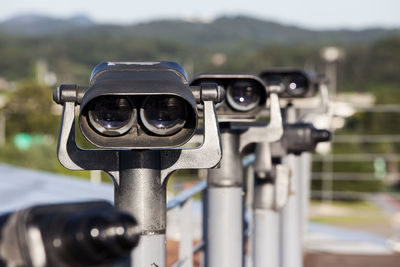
(266, 134)
(208, 92)
(69, 93)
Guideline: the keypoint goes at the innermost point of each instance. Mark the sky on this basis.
(316, 14)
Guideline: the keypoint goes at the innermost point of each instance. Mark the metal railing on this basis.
(328, 175)
(184, 201)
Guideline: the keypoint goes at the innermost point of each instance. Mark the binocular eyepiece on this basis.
(294, 83)
(245, 95)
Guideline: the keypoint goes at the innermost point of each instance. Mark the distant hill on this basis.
(37, 25)
(241, 28)
(223, 31)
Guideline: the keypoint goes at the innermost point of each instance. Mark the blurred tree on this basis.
(29, 109)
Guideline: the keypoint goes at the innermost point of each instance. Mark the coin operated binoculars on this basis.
(139, 114)
(298, 137)
(275, 241)
(245, 99)
(299, 97)
(67, 235)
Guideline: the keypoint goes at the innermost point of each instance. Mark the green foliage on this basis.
(351, 186)
(29, 109)
(372, 67)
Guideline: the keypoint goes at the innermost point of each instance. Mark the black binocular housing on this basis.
(245, 95)
(294, 83)
(138, 105)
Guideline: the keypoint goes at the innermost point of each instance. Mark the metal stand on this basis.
(140, 177)
(225, 206)
(305, 182)
(270, 195)
(140, 191)
(290, 232)
(249, 261)
(292, 222)
(225, 191)
(266, 241)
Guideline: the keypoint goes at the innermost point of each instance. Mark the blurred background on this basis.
(356, 181)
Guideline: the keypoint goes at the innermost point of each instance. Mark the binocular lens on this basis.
(112, 115)
(163, 115)
(296, 85)
(243, 96)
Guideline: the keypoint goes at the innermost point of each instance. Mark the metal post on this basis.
(225, 206)
(141, 193)
(186, 234)
(204, 199)
(266, 241)
(290, 230)
(249, 209)
(266, 227)
(266, 218)
(305, 181)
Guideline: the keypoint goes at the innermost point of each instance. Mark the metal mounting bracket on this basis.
(266, 134)
(75, 158)
(206, 156)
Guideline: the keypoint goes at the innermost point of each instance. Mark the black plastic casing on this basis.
(136, 81)
(312, 79)
(225, 112)
(300, 137)
(297, 138)
(51, 222)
